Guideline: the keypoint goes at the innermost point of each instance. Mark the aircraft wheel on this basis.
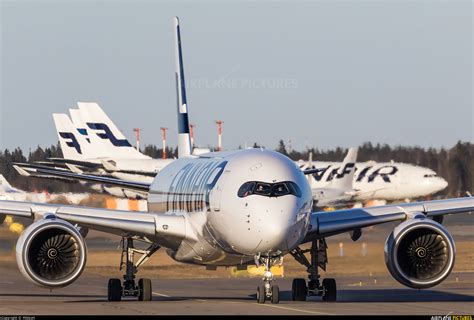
(114, 290)
(144, 286)
(275, 294)
(299, 290)
(261, 294)
(330, 289)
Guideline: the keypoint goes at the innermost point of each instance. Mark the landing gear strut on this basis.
(268, 290)
(142, 290)
(327, 289)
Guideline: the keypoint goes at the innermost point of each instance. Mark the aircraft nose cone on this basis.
(443, 184)
(271, 227)
(439, 184)
(281, 232)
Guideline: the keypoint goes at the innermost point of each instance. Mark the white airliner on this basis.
(231, 208)
(340, 190)
(93, 137)
(379, 180)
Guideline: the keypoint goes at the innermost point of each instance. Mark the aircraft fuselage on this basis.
(233, 224)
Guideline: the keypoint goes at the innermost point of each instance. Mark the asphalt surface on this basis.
(88, 295)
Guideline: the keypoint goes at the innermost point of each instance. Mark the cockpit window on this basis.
(246, 189)
(264, 189)
(276, 189)
(432, 175)
(294, 189)
(280, 189)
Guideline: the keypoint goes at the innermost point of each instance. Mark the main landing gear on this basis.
(268, 291)
(142, 290)
(327, 289)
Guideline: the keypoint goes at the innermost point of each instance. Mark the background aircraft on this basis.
(382, 181)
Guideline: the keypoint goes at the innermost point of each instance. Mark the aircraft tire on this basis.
(330, 289)
(299, 290)
(275, 294)
(114, 290)
(144, 286)
(261, 294)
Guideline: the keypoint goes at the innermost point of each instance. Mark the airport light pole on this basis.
(191, 133)
(137, 137)
(219, 134)
(163, 136)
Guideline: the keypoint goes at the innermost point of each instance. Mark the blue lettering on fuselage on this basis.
(330, 173)
(384, 175)
(191, 186)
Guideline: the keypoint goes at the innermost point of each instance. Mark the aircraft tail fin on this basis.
(4, 184)
(69, 139)
(345, 175)
(79, 124)
(184, 139)
(105, 137)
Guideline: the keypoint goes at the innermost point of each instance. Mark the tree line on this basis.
(455, 164)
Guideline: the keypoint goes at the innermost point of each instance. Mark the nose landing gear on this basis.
(142, 290)
(268, 290)
(327, 289)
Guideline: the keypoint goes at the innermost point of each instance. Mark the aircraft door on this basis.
(216, 193)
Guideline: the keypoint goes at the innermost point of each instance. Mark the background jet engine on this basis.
(419, 253)
(51, 253)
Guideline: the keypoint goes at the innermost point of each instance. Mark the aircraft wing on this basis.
(85, 164)
(324, 224)
(165, 229)
(63, 174)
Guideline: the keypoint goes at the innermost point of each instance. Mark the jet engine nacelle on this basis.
(51, 253)
(419, 253)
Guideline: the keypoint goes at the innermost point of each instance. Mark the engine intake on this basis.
(420, 253)
(51, 253)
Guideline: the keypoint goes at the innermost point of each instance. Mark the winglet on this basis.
(184, 139)
(109, 165)
(74, 168)
(21, 171)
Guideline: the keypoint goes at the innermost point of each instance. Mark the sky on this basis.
(319, 73)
